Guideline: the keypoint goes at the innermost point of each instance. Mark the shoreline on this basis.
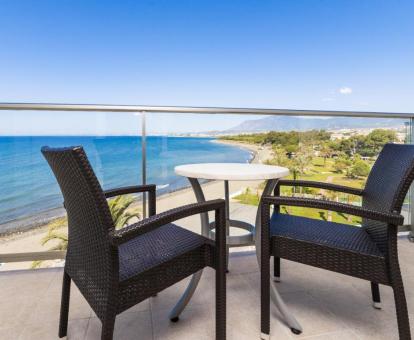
(253, 149)
(31, 222)
(260, 153)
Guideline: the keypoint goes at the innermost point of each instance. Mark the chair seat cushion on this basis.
(156, 247)
(330, 234)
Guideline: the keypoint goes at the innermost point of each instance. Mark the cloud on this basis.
(345, 90)
(327, 99)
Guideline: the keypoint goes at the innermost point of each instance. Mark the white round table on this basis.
(232, 172)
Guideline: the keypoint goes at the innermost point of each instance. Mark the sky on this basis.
(328, 55)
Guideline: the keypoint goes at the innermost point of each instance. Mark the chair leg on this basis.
(108, 325)
(265, 298)
(64, 305)
(276, 265)
(401, 309)
(227, 258)
(376, 297)
(221, 301)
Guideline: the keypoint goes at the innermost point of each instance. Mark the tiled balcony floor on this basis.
(328, 305)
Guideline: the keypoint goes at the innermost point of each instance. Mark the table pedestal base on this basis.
(252, 237)
(244, 240)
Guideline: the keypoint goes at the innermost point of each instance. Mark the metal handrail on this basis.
(197, 110)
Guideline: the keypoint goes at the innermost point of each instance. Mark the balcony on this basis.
(327, 305)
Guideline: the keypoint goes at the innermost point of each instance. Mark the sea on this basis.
(28, 188)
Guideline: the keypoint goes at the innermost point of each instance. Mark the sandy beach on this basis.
(30, 240)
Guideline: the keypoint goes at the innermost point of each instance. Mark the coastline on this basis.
(29, 239)
(253, 149)
(28, 223)
(260, 153)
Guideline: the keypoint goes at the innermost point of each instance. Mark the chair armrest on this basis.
(125, 234)
(150, 188)
(129, 190)
(391, 218)
(321, 185)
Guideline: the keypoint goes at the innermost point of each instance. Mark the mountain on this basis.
(289, 123)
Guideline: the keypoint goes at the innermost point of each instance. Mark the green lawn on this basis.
(321, 215)
(321, 171)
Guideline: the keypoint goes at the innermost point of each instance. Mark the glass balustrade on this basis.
(132, 148)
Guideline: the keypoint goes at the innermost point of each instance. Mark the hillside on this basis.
(289, 123)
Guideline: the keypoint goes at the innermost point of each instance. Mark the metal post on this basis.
(411, 197)
(227, 199)
(144, 162)
(227, 213)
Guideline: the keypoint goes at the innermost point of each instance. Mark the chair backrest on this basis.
(387, 186)
(91, 261)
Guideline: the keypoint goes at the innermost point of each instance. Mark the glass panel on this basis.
(323, 153)
(32, 217)
(339, 150)
(177, 139)
(335, 150)
(408, 204)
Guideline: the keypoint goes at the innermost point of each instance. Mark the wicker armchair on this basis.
(116, 269)
(368, 252)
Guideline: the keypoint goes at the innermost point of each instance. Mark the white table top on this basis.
(231, 171)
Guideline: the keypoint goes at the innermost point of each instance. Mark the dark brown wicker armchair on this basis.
(368, 252)
(116, 269)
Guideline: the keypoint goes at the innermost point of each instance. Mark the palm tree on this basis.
(118, 207)
(299, 164)
(54, 233)
(325, 152)
(331, 196)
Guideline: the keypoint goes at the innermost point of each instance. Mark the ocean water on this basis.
(27, 185)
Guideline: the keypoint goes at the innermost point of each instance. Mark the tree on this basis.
(54, 233)
(291, 148)
(366, 146)
(374, 141)
(118, 207)
(326, 152)
(360, 169)
(279, 157)
(288, 140)
(299, 164)
(342, 164)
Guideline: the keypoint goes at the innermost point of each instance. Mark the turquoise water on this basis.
(27, 186)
